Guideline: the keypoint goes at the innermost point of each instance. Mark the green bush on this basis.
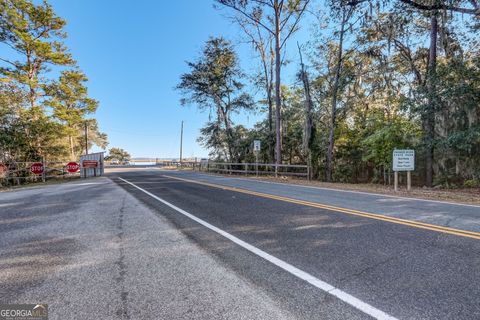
(471, 183)
(447, 181)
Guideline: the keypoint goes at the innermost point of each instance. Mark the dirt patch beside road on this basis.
(33, 184)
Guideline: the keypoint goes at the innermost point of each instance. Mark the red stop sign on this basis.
(72, 167)
(37, 168)
(3, 169)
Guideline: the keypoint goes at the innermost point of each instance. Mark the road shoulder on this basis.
(463, 196)
(101, 253)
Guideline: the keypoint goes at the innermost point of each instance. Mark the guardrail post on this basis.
(308, 172)
(246, 169)
(276, 170)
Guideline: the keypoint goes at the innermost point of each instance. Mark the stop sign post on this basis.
(3, 169)
(37, 168)
(72, 167)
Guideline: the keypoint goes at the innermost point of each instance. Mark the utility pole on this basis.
(181, 145)
(86, 137)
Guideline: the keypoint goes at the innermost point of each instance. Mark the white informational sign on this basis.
(257, 145)
(403, 160)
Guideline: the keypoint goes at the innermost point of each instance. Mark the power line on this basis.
(135, 133)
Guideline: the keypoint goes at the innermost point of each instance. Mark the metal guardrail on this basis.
(255, 169)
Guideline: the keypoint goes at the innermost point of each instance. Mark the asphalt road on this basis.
(404, 271)
(90, 250)
(154, 244)
(446, 214)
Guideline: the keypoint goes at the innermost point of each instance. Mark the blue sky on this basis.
(133, 53)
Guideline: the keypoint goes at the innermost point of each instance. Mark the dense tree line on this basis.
(375, 76)
(44, 101)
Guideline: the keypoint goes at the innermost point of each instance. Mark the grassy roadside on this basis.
(463, 196)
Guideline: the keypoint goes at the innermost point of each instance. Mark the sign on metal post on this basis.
(257, 144)
(403, 160)
(72, 167)
(3, 170)
(90, 163)
(37, 168)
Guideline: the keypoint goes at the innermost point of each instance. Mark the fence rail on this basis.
(146, 163)
(297, 170)
(20, 172)
(255, 169)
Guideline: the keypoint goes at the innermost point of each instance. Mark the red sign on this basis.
(37, 168)
(90, 163)
(72, 167)
(3, 169)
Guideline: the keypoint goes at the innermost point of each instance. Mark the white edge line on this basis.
(342, 295)
(347, 191)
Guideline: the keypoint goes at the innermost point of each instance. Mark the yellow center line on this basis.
(376, 216)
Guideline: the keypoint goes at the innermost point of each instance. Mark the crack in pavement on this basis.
(367, 269)
(123, 310)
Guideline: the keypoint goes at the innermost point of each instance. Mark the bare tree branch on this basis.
(9, 62)
(245, 14)
(297, 20)
(475, 11)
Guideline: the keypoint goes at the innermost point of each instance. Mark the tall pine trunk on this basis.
(429, 117)
(72, 148)
(278, 95)
(268, 73)
(308, 134)
(229, 133)
(333, 118)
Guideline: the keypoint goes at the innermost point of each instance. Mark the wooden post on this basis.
(44, 169)
(308, 172)
(395, 183)
(384, 175)
(409, 180)
(86, 137)
(181, 146)
(256, 162)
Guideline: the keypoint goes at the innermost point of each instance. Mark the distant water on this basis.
(142, 163)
